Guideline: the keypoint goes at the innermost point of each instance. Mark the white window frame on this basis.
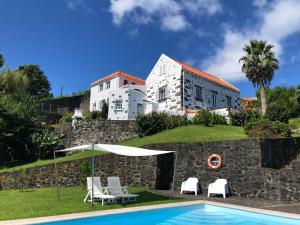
(100, 104)
(229, 101)
(198, 90)
(214, 99)
(119, 104)
(162, 94)
(94, 106)
(162, 69)
(100, 87)
(108, 85)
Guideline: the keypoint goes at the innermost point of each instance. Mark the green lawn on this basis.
(191, 133)
(15, 204)
(295, 122)
(24, 165)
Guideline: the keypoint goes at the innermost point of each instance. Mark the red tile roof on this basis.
(110, 76)
(207, 76)
(249, 99)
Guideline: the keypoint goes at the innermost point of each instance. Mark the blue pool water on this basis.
(186, 215)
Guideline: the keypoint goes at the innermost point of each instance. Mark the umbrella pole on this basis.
(56, 176)
(93, 171)
(174, 173)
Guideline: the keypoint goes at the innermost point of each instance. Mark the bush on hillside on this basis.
(242, 117)
(155, 122)
(85, 168)
(266, 128)
(66, 118)
(208, 119)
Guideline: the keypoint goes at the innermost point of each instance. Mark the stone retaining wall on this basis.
(100, 131)
(139, 171)
(242, 162)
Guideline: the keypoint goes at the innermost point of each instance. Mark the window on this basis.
(162, 94)
(140, 109)
(118, 105)
(125, 82)
(133, 83)
(228, 98)
(162, 69)
(108, 85)
(100, 104)
(198, 93)
(214, 99)
(94, 106)
(100, 87)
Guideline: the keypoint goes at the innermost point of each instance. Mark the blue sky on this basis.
(78, 41)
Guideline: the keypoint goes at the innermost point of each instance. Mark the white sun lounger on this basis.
(191, 184)
(115, 189)
(99, 192)
(220, 186)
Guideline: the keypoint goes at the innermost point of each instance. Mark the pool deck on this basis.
(280, 206)
(274, 208)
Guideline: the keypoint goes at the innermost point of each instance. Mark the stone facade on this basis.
(138, 171)
(180, 89)
(100, 131)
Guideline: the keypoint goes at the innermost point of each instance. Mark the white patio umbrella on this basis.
(116, 149)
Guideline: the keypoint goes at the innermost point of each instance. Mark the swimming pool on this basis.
(203, 214)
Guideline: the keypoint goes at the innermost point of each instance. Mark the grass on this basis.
(16, 204)
(295, 122)
(189, 134)
(25, 165)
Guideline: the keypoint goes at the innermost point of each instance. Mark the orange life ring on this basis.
(214, 161)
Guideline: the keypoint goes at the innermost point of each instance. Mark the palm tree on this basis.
(259, 65)
(1, 60)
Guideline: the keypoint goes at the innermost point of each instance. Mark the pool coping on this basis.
(143, 208)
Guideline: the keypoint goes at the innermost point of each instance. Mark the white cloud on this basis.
(78, 4)
(260, 3)
(170, 13)
(278, 22)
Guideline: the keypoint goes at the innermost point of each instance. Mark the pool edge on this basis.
(144, 208)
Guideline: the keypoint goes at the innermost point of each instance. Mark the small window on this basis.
(108, 85)
(100, 104)
(133, 83)
(162, 69)
(140, 109)
(162, 94)
(198, 93)
(125, 82)
(214, 99)
(118, 105)
(100, 87)
(94, 106)
(229, 100)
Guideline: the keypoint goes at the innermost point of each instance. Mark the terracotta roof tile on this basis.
(110, 76)
(207, 76)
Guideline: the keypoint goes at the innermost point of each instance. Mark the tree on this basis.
(13, 85)
(259, 65)
(39, 85)
(298, 96)
(1, 60)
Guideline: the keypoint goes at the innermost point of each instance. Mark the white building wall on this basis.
(190, 101)
(171, 79)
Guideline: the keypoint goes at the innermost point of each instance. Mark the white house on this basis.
(171, 86)
(176, 86)
(124, 93)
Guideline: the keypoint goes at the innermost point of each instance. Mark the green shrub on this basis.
(66, 118)
(45, 142)
(243, 117)
(22, 179)
(208, 119)
(84, 171)
(155, 122)
(263, 130)
(256, 128)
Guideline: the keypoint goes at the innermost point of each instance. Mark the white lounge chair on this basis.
(191, 184)
(115, 189)
(100, 193)
(220, 186)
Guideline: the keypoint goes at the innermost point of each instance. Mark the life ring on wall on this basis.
(214, 161)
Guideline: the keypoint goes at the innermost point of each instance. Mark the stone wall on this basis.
(246, 165)
(100, 131)
(138, 171)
